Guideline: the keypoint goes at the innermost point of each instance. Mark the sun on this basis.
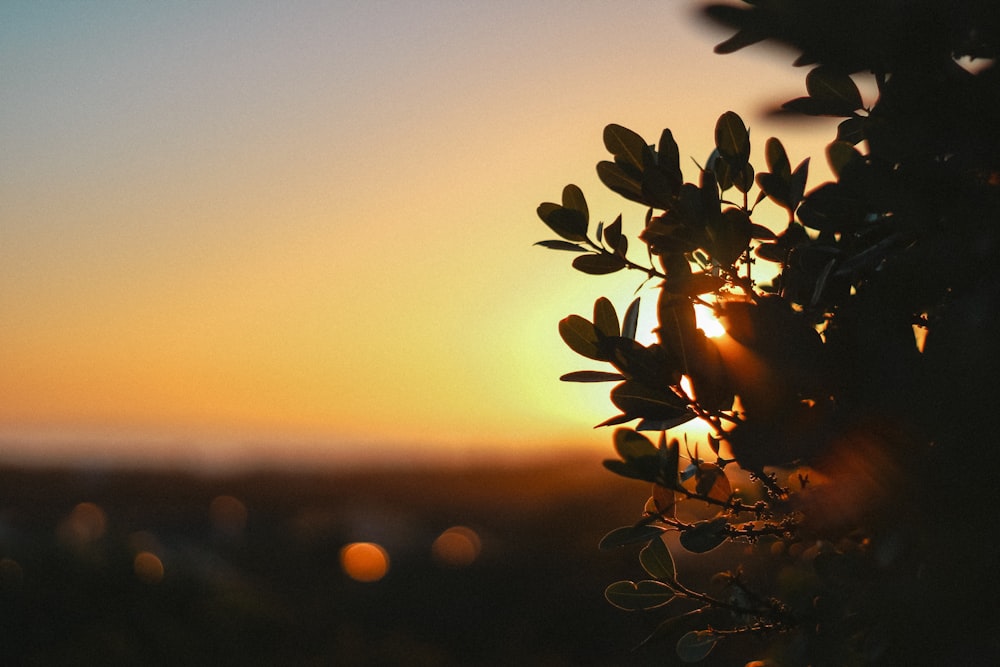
(708, 322)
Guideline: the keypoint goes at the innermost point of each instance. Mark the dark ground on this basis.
(273, 592)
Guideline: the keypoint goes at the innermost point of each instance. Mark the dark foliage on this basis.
(857, 389)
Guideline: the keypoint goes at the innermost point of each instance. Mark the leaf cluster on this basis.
(868, 359)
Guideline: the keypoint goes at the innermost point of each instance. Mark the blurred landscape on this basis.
(105, 566)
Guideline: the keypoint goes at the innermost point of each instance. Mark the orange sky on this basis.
(297, 230)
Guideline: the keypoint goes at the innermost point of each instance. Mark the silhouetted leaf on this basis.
(705, 535)
(835, 88)
(620, 537)
(772, 252)
(656, 559)
(581, 336)
(618, 180)
(645, 470)
(831, 93)
(598, 264)
(664, 500)
(663, 424)
(562, 245)
(696, 645)
(839, 154)
(831, 208)
(711, 482)
(743, 177)
(797, 185)
(632, 445)
(606, 318)
(631, 321)
(637, 596)
(566, 222)
(852, 130)
(777, 159)
(668, 157)
(615, 421)
(591, 376)
(775, 187)
(613, 233)
(729, 235)
(626, 145)
(572, 198)
(732, 138)
(638, 400)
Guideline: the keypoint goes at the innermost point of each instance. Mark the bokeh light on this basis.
(148, 567)
(364, 561)
(458, 546)
(87, 523)
(228, 515)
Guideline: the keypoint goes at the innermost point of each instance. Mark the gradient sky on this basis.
(262, 230)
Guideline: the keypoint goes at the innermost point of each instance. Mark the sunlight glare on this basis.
(708, 322)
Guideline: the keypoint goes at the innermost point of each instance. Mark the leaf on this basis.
(664, 500)
(605, 318)
(704, 535)
(618, 180)
(638, 400)
(638, 596)
(668, 627)
(839, 154)
(712, 482)
(592, 376)
(631, 321)
(566, 222)
(732, 138)
(835, 88)
(599, 264)
(777, 159)
(798, 183)
(573, 199)
(663, 424)
(613, 232)
(615, 421)
(669, 461)
(728, 235)
(776, 188)
(632, 445)
(581, 337)
(696, 645)
(561, 245)
(668, 157)
(656, 559)
(852, 130)
(743, 177)
(640, 469)
(620, 537)
(626, 145)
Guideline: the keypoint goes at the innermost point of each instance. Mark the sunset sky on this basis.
(237, 231)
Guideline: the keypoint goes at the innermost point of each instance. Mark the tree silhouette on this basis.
(848, 483)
